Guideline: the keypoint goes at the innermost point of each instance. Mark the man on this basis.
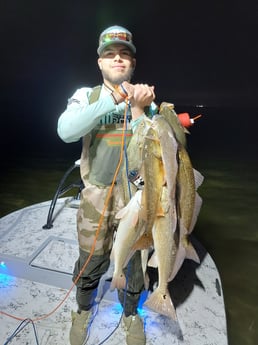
(98, 119)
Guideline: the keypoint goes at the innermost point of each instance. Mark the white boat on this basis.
(36, 286)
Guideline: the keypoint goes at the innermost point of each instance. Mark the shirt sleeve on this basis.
(80, 117)
(135, 123)
(151, 111)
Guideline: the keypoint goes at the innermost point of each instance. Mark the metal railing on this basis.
(61, 190)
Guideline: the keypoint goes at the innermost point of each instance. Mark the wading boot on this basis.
(134, 328)
(80, 326)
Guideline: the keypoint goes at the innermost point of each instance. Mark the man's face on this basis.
(116, 64)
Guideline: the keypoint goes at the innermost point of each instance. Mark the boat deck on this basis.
(36, 267)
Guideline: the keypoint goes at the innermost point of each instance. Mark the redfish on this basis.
(127, 234)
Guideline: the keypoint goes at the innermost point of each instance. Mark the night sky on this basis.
(193, 51)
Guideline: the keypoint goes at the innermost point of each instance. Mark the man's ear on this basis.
(134, 63)
(100, 63)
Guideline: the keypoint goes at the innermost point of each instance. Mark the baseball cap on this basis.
(115, 34)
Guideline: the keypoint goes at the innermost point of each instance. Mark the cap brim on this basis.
(105, 45)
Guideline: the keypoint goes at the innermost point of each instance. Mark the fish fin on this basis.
(191, 253)
(189, 250)
(153, 262)
(198, 177)
(152, 137)
(161, 303)
(144, 242)
(160, 211)
(112, 255)
(118, 282)
(180, 257)
(135, 218)
(121, 213)
(133, 249)
(197, 208)
(144, 257)
(135, 199)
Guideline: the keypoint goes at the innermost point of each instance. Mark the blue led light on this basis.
(6, 280)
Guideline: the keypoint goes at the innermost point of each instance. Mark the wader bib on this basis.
(99, 159)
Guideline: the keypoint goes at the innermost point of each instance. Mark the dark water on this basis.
(223, 147)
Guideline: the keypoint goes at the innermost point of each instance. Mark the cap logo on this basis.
(113, 36)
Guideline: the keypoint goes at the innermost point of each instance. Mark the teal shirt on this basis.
(80, 117)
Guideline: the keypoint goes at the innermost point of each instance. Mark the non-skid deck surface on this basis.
(35, 283)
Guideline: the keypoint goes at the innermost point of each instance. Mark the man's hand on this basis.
(140, 96)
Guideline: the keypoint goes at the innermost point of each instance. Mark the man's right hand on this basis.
(140, 96)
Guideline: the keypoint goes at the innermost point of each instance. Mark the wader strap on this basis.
(86, 141)
(94, 96)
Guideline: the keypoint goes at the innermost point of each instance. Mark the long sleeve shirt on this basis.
(80, 117)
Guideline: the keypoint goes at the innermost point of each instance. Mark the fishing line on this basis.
(126, 119)
(112, 332)
(21, 326)
(126, 156)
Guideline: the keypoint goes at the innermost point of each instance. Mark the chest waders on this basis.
(92, 202)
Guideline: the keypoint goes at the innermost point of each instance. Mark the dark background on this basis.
(195, 52)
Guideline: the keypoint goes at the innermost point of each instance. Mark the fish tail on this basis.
(191, 253)
(146, 281)
(153, 261)
(198, 177)
(196, 211)
(161, 303)
(118, 282)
